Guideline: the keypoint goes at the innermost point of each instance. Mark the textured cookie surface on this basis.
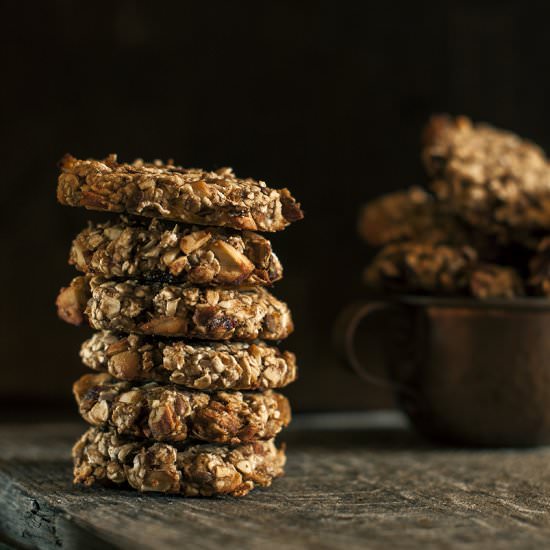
(421, 267)
(105, 458)
(167, 413)
(427, 268)
(159, 309)
(133, 248)
(411, 214)
(495, 281)
(167, 191)
(210, 366)
(488, 176)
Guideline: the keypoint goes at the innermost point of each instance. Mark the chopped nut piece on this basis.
(164, 326)
(125, 365)
(178, 265)
(235, 267)
(193, 241)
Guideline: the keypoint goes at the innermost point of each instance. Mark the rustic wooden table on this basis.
(353, 481)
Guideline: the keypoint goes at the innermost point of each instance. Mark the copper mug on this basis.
(464, 371)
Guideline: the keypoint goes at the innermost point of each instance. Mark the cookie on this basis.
(131, 248)
(411, 214)
(186, 311)
(495, 281)
(171, 414)
(201, 366)
(427, 268)
(105, 458)
(171, 192)
(492, 178)
(411, 267)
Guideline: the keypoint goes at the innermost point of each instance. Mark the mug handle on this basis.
(344, 335)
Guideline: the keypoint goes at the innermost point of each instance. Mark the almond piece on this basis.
(235, 266)
(258, 249)
(117, 347)
(165, 326)
(125, 365)
(193, 241)
(178, 265)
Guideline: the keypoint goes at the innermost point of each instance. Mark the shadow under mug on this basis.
(464, 371)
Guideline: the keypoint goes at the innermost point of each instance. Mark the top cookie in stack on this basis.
(479, 227)
(174, 193)
(180, 302)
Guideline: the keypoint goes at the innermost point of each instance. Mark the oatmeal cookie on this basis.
(408, 215)
(210, 366)
(495, 281)
(105, 458)
(129, 248)
(168, 413)
(490, 177)
(187, 311)
(171, 192)
(421, 267)
(442, 270)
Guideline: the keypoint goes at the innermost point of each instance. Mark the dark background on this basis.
(327, 98)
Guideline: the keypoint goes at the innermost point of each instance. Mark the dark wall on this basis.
(327, 98)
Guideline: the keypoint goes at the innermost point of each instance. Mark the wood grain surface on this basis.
(353, 481)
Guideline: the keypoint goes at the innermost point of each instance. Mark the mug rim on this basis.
(528, 302)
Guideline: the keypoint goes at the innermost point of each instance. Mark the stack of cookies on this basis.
(480, 227)
(182, 400)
